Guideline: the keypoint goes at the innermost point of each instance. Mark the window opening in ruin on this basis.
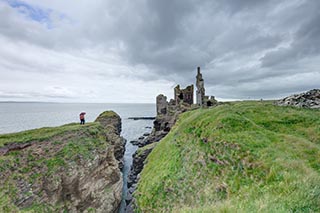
(181, 96)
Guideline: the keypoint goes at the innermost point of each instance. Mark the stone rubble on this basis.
(310, 99)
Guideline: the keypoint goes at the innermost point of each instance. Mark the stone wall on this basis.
(183, 95)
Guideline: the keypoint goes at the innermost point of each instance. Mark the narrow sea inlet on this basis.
(17, 117)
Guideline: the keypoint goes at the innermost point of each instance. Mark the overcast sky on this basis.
(131, 51)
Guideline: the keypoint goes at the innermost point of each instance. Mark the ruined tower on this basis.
(162, 105)
(200, 89)
(183, 95)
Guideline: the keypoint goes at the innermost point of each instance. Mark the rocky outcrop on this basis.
(167, 115)
(310, 99)
(138, 162)
(112, 123)
(139, 158)
(71, 168)
(110, 119)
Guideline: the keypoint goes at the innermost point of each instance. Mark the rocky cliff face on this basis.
(310, 99)
(69, 168)
(112, 124)
(167, 115)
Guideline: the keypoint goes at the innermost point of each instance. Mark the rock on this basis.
(141, 118)
(110, 118)
(66, 173)
(13, 147)
(138, 163)
(130, 180)
(128, 198)
(146, 134)
(129, 208)
(167, 115)
(310, 99)
(132, 188)
(141, 138)
(112, 122)
(134, 142)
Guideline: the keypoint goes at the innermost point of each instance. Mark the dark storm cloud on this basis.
(157, 39)
(246, 48)
(306, 39)
(248, 37)
(177, 36)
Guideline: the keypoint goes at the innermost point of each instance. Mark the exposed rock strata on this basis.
(73, 171)
(167, 115)
(112, 123)
(162, 125)
(310, 99)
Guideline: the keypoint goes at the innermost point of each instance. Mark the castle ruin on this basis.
(183, 98)
(200, 88)
(202, 99)
(183, 95)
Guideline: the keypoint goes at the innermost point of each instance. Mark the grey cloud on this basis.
(306, 39)
(245, 47)
(270, 88)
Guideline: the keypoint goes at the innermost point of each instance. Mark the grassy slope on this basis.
(40, 134)
(61, 147)
(239, 157)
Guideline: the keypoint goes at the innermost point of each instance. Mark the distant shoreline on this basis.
(44, 102)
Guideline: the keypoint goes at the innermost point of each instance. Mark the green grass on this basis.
(55, 149)
(42, 134)
(237, 157)
(107, 114)
(144, 148)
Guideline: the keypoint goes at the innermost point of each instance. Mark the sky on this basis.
(124, 51)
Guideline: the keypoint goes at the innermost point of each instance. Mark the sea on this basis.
(16, 116)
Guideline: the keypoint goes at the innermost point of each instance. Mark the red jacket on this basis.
(81, 116)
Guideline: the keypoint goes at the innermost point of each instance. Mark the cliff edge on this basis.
(73, 168)
(236, 157)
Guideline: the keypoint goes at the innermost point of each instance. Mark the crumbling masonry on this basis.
(202, 99)
(183, 98)
(183, 95)
(167, 115)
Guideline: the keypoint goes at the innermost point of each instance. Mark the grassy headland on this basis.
(53, 150)
(237, 157)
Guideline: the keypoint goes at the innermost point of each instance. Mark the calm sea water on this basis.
(15, 117)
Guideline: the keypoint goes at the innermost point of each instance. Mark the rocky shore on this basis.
(167, 115)
(163, 123)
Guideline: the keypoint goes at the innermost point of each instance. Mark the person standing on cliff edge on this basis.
(82, 121)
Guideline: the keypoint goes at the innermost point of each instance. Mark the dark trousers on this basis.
(82, 121)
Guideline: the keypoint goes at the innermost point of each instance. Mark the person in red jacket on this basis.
(82, 120)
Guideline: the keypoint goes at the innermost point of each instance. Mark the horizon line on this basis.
(59, 102)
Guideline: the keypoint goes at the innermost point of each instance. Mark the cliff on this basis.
(72, 168)
(238, 157)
